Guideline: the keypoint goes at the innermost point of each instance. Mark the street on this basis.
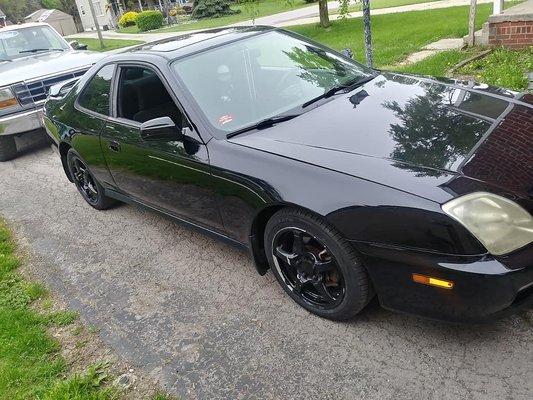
(191, 312)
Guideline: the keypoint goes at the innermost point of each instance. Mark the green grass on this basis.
(30, 364)
(437, 65)
(264, 8)
(376, 4)
(502, 67)
(395, 36)
(110, 44)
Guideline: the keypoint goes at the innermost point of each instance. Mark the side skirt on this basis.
(189, 224)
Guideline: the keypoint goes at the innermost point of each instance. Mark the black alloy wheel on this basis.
(87, 185)
(315, 266)
(308, 268)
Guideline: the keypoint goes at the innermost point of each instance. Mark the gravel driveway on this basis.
(192, 313)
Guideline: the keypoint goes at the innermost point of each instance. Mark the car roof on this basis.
(188, 43)
(19, 26)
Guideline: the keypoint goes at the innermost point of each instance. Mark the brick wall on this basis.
(511, 34)
(506, 157)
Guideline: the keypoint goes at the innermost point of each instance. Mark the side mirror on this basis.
(347, 53)
(160, 129)
(62, 88)
(77, 46)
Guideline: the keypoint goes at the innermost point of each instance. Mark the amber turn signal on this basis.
(8, 103)
(428, 280)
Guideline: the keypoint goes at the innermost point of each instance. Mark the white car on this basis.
(33, 57)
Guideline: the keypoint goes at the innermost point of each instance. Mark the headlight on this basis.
(499, 224)
(7, 98)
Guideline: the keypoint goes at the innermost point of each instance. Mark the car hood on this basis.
(433, 138)
(44, 64)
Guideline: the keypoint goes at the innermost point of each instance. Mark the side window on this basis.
(142, 97)
(95, 95)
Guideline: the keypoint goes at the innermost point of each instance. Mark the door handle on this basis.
(114, 145)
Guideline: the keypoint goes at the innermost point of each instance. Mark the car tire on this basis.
(299, 245)
(90, 189)
(8, 148)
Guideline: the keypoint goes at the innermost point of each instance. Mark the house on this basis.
(105, 13)
(60, 21)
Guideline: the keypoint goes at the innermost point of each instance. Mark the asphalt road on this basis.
(192, 313)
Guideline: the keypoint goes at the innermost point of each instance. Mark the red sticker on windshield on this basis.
(225, 119)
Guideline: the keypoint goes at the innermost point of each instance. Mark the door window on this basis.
(142, 97)
(95, 95)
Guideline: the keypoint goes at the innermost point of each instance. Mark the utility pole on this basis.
(96, 24)
(368, 33)
(472, 23)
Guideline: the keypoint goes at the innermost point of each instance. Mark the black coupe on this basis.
(346, 181)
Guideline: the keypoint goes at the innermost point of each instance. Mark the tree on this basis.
(427, 133)
(51, 4)
(16, 10)
(211, 9)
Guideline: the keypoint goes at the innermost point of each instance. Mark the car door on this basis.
(83, 127)
(169, 174)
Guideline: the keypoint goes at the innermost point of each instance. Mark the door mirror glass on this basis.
(162, 128)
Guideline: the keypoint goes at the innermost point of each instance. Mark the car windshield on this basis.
(251, 80)
(24, 41)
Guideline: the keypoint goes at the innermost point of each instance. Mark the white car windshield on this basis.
(24, 41)
(261, 77)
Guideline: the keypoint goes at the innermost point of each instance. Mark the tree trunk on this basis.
(324, 13)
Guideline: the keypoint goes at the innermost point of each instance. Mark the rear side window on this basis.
(95, 96)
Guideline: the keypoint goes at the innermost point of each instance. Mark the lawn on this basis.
(502, 67)
(110, 44)
(376, 4)
(30, 364)
(395, 36)
(264, 8)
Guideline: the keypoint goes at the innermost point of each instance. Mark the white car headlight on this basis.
(498, 223)
(7, 98)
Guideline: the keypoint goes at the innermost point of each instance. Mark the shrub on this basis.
(128, 19)
(212, 9)
(174, 12)
(148, 20)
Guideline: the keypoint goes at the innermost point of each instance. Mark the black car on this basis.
(347, 182)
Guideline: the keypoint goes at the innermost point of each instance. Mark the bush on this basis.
(174, 12)
(148, 20)
(128, 19)
(212, 9)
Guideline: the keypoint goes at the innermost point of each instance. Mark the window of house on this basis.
(142, 97)
(95, 95)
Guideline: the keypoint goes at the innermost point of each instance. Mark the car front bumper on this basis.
(484, 287)
(24, 121)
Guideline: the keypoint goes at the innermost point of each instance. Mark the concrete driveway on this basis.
(192, 313)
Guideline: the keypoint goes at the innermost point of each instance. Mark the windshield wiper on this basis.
(36, 50)
(266, 123)
(345, 86)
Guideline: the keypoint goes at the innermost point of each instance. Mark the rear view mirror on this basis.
(77, 45)
(347, 53)
(160, 129)
(62, 88)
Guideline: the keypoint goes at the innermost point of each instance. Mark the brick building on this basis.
(513, 28)
(512, 167)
